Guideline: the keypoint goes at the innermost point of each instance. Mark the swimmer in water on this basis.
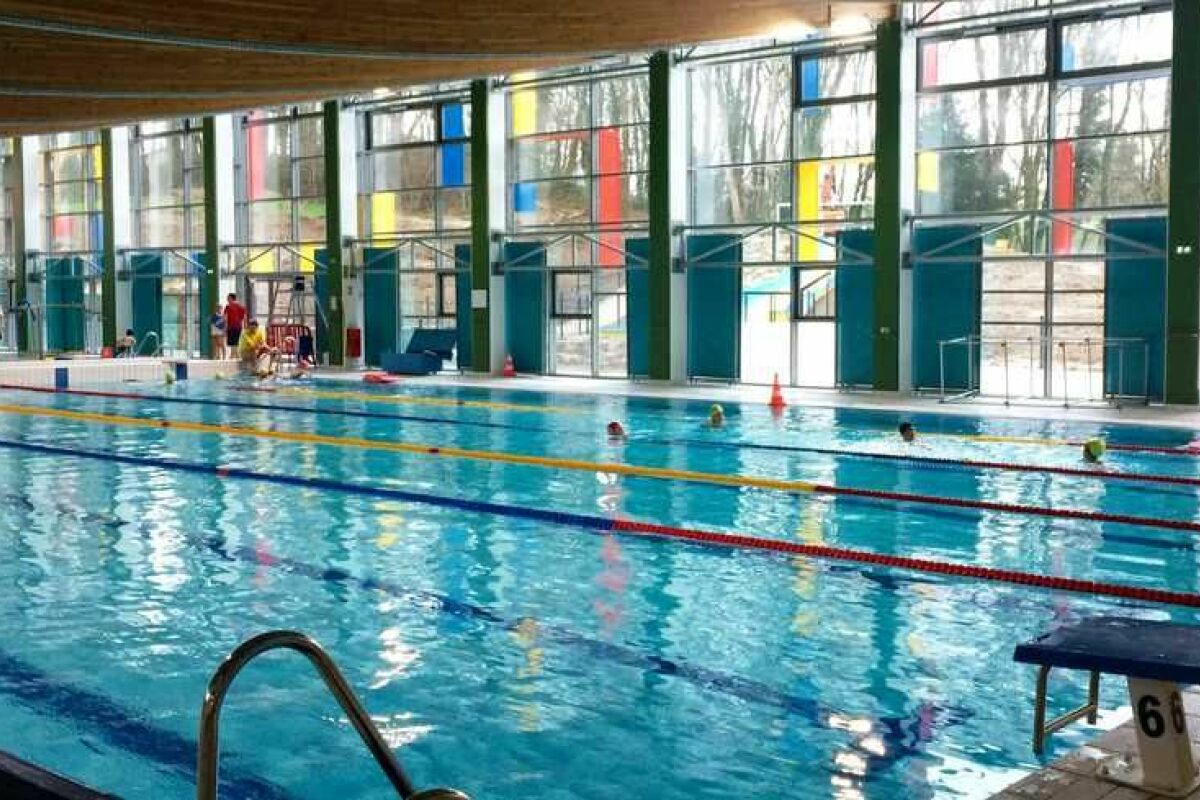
(716, 416)
(907, 432)
(616, 430)
(1093, 450)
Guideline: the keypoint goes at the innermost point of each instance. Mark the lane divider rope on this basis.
(931, 461)
(632, 470)
(642, 529)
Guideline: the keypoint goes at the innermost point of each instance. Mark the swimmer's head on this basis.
(616, 429)
(716, 415)
(907, 432)
(1093, 450)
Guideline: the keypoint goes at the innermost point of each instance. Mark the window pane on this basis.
(455, 208)
(555, 156)
(270, 221)
(940, 11)
(418, 295)
(403, 127)
(623, 149)
(162, 227)
(410, 168)
(1123, 106)
(311, 172)
(573, 293)
(69, 165)
(1117, 41)
(1115, 170)
(70, 232)
(268, 162)
(622, 101)
(847, 129)
(312, 220)
(161, 172)
(1002, 115)
(1008, 276)
(449, 296)
(456, 121)
(557, 202)
(731, 195)
(1079, 275)
(1011, 54)
(1027, 307)
(982, 179)
(196, 226)
(740, 112)
(545, 109)
(310, 136)
(71, 198)
(634, 197)
(1079, 307)
(817, 293)
(841, 189)
(414, 210)
(845, 75)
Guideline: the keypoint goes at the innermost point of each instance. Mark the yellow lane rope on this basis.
(408, 399)
(418, 449)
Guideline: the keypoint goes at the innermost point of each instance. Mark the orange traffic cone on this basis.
(776, 394)
(510, 369)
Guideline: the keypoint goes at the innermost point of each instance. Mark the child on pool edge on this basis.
(1093, 450)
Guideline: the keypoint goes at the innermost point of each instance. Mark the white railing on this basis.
(1072, 370)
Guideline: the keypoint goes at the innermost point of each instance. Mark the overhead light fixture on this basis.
(381, 91)
(792, 30)
(851, 25)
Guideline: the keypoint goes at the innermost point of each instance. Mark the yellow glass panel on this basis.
(524, 110)
(308, 253)
(928, 178)
(383, 213)
(808, 206)
(262, 262)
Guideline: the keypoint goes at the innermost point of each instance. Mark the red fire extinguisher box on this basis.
(353, 342)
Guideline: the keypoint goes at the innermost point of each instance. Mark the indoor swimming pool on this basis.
(471, 560)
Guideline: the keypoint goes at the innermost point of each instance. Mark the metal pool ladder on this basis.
(210, 714)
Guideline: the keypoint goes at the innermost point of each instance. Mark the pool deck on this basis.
(1073, 777)
(1157, 415)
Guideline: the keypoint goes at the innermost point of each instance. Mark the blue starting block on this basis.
(1155, 658)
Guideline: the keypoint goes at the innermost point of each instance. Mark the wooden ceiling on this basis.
(69, 64)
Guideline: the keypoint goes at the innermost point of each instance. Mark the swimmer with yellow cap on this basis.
(1093, 450)
(716, 416)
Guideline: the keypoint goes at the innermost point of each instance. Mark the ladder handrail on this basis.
(208, 749)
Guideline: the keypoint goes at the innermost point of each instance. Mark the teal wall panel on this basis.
(321, 292)
(714, 306)
(637, 305)
(381, 318)
(462, 303)
(855, 293)
(946, 304)
(525, 305)
(1135, 306)
(64, 279)
(146, 303)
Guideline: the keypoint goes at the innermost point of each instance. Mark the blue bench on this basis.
(1155, 657)
(428, 349)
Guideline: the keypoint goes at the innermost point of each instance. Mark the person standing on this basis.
(216, 333)
(235, 317)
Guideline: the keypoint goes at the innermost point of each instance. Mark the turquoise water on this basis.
(518, 659)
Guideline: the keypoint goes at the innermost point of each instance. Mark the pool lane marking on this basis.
(123, 728)
(630, 470)
(421, 400)
(927, 461)
(724, 541)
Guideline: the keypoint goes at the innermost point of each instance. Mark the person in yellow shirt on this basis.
(256, 357)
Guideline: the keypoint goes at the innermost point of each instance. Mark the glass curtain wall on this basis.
(578, 161)
(71, 183)
(280, 161)
(1064, 124)
(781, 158)
(415, 196)
(167, 184)
(8, 315)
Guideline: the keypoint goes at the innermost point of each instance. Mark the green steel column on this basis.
(659, 204)
(335, 313)
(21, 247)
(210, 285)
(1183, 219)
(108, 278)
(481, 235)
(888, 228)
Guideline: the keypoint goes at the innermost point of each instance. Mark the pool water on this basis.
(515, 658)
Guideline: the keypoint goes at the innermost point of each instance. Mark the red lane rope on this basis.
(993, 574)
